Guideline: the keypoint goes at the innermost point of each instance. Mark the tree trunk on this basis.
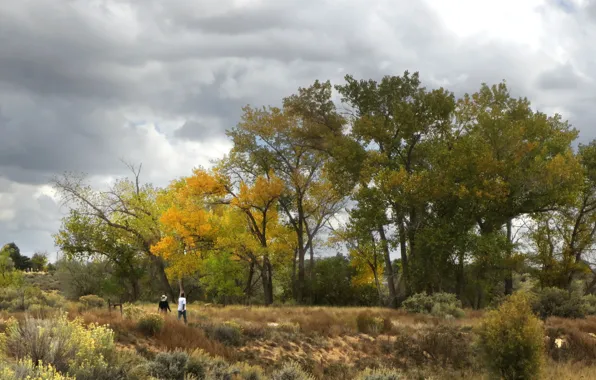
(311, 268)
(266, 278)
(405, 268)
(388, 267)
(300, 285)
(162, 277)
(180, 286)
(509, 274)
(377, 284)
(460, 277)
(294, 288)
(248, 288)
(136, 291)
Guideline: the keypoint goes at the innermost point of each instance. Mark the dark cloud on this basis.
(84, 84)
(563, 77)
(192, 130)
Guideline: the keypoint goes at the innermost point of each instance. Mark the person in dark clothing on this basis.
(164, 306)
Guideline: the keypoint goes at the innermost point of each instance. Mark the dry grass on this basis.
(578, 338)
(326, 341)
(328, 321)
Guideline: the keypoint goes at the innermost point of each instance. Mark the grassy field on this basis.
(338, 343)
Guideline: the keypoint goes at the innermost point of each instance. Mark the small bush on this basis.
(589, 304)
(444, 305)
(291, 371)
(197, 365)
(66, 345)
(40, 311)
(555, 302)
(220, 369)
(569, 344)
(512, 340)
(379, 374)
(92, 301)
(228, 333)
(27, 370)
(248, 372)
(368, 323)
(419, 303)
(131, 311)
(169, 365)
(444, 346)
(443, 310)
(150, 324)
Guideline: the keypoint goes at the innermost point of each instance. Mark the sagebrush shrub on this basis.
(227, 333)
(420, 303)
(555, 302)
(102, 373)
(512, 340)
(24, 298)
(52, 299)
(368, 323)
(379, 374)
(68, 346)
(27, 370)
(92, 301)
(446, 346)
(40, 311)
(169, 365)
(248, 372)
(131, 311)
(197, 365)
(444, 305)
(150, 324)
(291, 371)
(8, 298)
(589, 304)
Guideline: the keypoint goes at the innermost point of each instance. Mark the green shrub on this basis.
(92, 301)
(197, 365)
(589, 304)
(512, 340)
(555, 302)
(419, 303)
(19, 299)
(169, 365)
(150, 324)
(368, 323)
(102, 373)
(291, 371)
(8, 299)
(40, 311)
(379, 374)
(443, 345)
(444, 305)
(68, 346)
(52, 299)
(444, 310)
(248, 372)
(131, 311)
(27, 370)
(228, 333)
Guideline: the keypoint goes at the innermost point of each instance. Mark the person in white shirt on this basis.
(182, 307)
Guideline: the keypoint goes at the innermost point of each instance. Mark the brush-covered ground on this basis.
(84, 340)
(327, 343)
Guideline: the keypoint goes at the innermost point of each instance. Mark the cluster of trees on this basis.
(423, 191)
(11, 259)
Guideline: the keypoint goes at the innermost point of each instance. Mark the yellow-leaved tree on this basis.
(262, 239)
(213, 221)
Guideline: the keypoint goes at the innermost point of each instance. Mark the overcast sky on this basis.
(85, 83)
